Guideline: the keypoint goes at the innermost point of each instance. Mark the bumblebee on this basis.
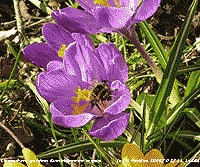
(100, 92)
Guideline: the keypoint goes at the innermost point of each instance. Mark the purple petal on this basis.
(146, 10)
(120, 100)
(129, 3)
(119, 70)
(56, 84)
(114, 62)
(76, 20)
(89, 4)
(71, 65)
(84, 39)
(56, 36)
(40, 54)
(110, 127)
(90, 64)
(68, 120)
(54, 65)
(113, 18)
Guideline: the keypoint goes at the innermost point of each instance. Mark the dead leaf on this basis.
(6, 34)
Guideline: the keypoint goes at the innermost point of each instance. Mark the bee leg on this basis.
(102, 104)
(98, 106)
(92, 106)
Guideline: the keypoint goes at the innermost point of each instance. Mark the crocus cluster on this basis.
(107, 16)
(82, 83)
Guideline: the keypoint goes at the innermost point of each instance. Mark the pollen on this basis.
(62, 50)
(79, 109)
(82, 95)
(105, 3)
(117, 4)
(102, 2)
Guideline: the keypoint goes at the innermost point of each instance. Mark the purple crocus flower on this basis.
(57, 39)
(104, 15)
(84, 83)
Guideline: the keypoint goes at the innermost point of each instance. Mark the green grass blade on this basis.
(193, 81)
(77, 146)
(177, 110)
(155, 43)
(191, 68)
(193, 114)
(185, 134)
(165, 87)
(162, 56)
(15, 65)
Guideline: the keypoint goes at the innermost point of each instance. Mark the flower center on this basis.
(82, 95)
(105, 3)
(97, 95)
(61, 51)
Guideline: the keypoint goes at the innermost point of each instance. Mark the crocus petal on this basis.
(114, 18)
(110, 127)
(71, 65)
(146, 10)
(76, 20)
(89, 4)
(121, 97)
(52, 65)
(99, 19)
(114, 62)
(154, 154)
(56, 84)
(13, 164)
(119, 69)
(89, 63)
(30, 158)
(129, 3)
(131, 151)
(125, 165)
(69, 120)
(40, 54)
(84, 39)
(56, 36)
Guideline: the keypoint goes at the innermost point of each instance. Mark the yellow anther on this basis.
(82, 95)
(102, 2)
(117, 4)
(79, 109)
(62, 50)
(105, 3)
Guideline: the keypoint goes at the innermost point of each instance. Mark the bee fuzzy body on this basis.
(100, 92)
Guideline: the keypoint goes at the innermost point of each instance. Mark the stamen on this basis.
(105, 3)
(82, 95)
(61, 51)
(117, 4)
(79, 109)
(102, 2)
